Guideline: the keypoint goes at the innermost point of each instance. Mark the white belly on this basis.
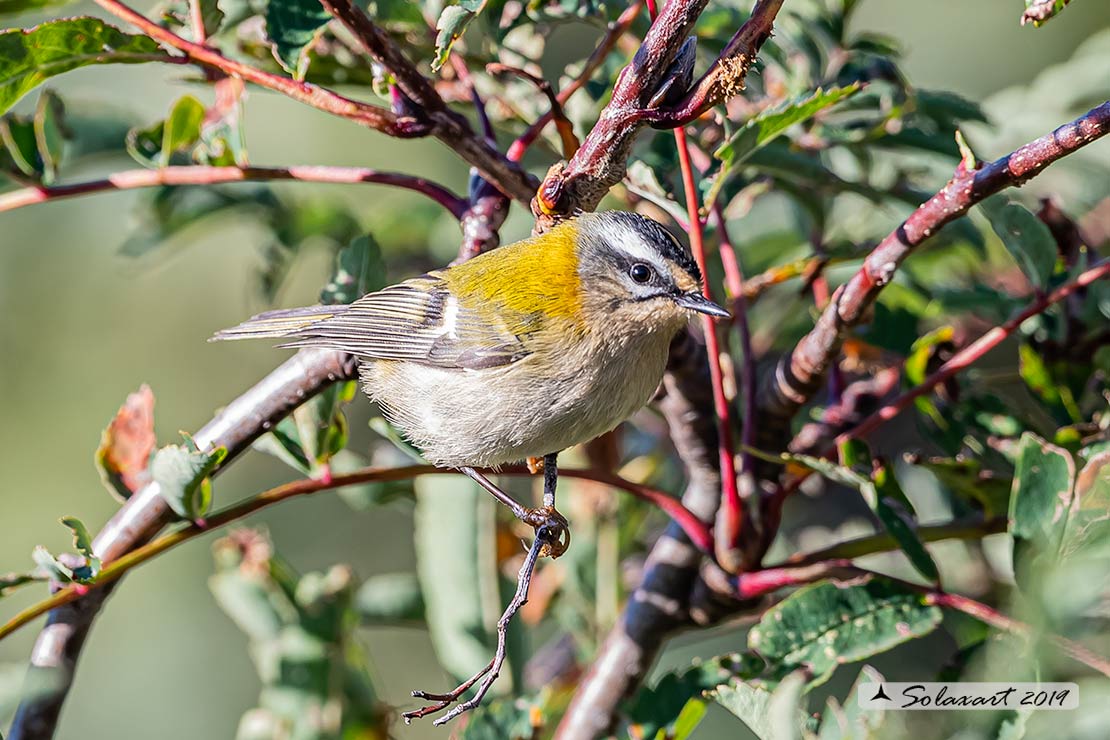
(493, 416)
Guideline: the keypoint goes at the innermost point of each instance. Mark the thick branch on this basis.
(449, 127)
(206, 175)
(660, 605)
(601, 161)
(799, 374)
(246, 418)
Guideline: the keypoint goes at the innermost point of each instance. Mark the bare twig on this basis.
(957, 363)
(446, 125)
(799, 374)
(685, 520)
(617, 29)
(562, 123)
(372, 116)
(213, 175)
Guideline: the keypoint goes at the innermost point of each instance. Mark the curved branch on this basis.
(214, 175)
(799, 374)
(115, 570)
(373, 116)
(246, 418)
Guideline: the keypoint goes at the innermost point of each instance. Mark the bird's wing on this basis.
(418, 320)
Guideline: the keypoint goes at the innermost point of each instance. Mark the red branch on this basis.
(730, 520)
(799, 374)
(210, 175)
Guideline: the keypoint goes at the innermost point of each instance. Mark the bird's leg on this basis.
(544, 538)
(544, 516)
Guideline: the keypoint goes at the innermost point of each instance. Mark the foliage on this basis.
(820, 158)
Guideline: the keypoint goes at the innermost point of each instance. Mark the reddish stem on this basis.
(210, 175)
(732, 512)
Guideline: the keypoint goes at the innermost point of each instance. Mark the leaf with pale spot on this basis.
(182, 471)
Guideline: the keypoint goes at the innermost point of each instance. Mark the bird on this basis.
(519, 353)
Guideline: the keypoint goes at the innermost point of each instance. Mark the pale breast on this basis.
(543, 403)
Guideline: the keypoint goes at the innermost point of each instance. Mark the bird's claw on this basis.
(551, 527)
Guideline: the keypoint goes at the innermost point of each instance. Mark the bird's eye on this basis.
(640, 272)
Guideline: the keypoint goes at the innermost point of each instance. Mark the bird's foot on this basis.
(551, 528)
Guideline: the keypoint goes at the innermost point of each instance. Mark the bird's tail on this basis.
(286, 322)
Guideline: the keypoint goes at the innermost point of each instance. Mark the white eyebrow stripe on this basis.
(625, 238)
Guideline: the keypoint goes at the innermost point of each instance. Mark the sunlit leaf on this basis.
(29, 57)
(126, 445)
(181, 472)
(823, 625)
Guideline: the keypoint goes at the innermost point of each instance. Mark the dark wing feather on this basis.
(419, 321)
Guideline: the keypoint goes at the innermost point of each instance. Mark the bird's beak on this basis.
(697, 302)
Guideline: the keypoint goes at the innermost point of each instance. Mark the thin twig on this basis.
(318, 97)
(562, 123)
(960, 361)
(115, 569)
(448, 126)
(215, 175)
(617, 29)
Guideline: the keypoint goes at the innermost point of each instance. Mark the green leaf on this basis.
(1042, 382)
(969, 480)
(451, 25)
(293, 26)
(211, 15)
(1088, 524)
(51, 567)
(50, 133)
(28, 57)
(850, 722)
(314, 433)
(171, 141)
(83, 543)
(1039, 12)
(688, 720)
(501, 720)
(20, 154)
(824, 625)
(1025, 236)
(182, 471)
(769, 715)
(764, 127)
(359, 269)
(390, 598)
(657, 709)
(1041, 498)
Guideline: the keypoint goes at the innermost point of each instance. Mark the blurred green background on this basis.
(83, 325)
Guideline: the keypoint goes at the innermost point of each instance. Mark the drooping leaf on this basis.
(123, 456)
(1041, 499)
(1039, 12)
(181, 472)
(53, 568)
(315, 432)
(1025, 236)
(293, 26)
(28, 57)
(50, 133)
(825, 625)
(359, 269)
(451, 25)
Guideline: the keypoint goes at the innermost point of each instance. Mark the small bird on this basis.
(519, 353)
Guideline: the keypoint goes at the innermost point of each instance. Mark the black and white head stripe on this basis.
(640, 238)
